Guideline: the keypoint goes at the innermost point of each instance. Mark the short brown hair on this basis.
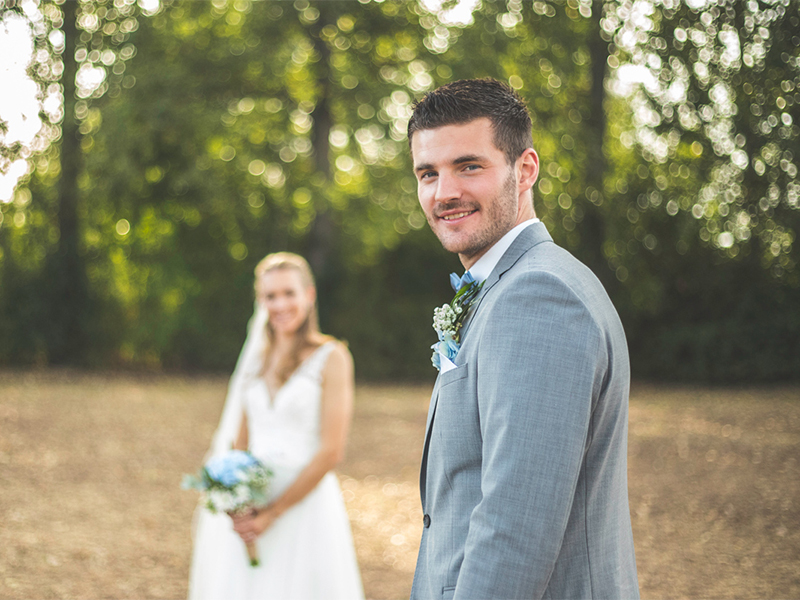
(465, 100)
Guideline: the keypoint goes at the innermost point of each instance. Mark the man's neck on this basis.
(525, 214)
(483, 266)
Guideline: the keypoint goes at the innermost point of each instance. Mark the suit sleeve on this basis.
(541, 360)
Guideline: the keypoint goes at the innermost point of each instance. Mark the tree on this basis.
(243, 128)
(251, 127)
(712, 195)
(719, 97)
(82, 45)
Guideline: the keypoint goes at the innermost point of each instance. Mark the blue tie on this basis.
(458, 282)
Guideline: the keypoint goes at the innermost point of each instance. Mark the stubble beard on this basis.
(501, 215)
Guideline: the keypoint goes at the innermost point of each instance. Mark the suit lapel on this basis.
(527, 239)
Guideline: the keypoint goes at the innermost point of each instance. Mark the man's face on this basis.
(471, 196)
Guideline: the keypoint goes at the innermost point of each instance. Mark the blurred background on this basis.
(152, 152)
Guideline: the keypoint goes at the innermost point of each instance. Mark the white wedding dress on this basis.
(308, 552)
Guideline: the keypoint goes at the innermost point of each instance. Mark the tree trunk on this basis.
(592, 226)
(67, 274)
(321, 236)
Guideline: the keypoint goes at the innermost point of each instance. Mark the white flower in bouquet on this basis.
(241, 494)
(219, 501)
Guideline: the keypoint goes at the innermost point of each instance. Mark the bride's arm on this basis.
(336, 414)
(241, 440)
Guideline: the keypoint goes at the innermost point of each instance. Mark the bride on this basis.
(289, 403)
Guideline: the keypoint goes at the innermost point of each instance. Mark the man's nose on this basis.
(447, 188)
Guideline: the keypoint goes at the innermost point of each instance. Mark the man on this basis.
(524, 468)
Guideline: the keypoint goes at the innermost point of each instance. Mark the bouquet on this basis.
(234, 482)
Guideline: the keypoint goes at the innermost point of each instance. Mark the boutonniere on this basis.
(447, 319)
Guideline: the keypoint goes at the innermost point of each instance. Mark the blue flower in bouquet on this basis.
(231, 482)
(229, 468)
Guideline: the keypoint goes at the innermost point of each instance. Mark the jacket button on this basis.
(426, 521)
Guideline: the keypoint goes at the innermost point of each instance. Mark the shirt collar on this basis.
(484, 266)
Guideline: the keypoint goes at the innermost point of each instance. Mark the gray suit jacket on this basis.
(524, 468)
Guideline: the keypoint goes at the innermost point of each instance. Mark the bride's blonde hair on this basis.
(308, 334)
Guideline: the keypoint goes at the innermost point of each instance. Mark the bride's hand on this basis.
(252, 524)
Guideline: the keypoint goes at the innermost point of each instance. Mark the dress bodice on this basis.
(284, 431)
(308, 551)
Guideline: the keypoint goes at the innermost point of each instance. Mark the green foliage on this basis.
(717, 120)
(226, 130)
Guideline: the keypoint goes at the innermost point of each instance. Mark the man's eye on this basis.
(472, 167)
(428, 175)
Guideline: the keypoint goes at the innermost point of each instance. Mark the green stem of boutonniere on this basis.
(465, 296)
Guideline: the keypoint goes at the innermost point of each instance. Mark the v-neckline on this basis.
(271, 398)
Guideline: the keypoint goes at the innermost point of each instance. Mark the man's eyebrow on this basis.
(467, 158)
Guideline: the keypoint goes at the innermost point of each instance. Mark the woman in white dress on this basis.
(290, 403)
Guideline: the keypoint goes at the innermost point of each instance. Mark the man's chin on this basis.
(460, 247)
(454, 246)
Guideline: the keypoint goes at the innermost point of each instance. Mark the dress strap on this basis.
(316, 362)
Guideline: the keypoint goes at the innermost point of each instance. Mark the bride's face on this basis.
(287, 300)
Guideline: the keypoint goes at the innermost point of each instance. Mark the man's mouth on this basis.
(458, 215)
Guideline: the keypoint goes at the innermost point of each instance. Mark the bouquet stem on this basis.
(252, 552)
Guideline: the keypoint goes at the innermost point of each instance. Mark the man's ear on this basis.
(528, 169)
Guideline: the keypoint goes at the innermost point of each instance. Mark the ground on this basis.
(91, 506)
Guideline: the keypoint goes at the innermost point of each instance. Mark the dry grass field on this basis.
(91, 507)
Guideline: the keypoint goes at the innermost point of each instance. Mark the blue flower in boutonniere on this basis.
(447, 319)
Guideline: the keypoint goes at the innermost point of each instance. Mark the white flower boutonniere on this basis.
(447, 319)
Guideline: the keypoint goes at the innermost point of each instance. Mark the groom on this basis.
(524, 469)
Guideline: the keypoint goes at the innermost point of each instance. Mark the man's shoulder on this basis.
(549, 271)
(549, 262)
